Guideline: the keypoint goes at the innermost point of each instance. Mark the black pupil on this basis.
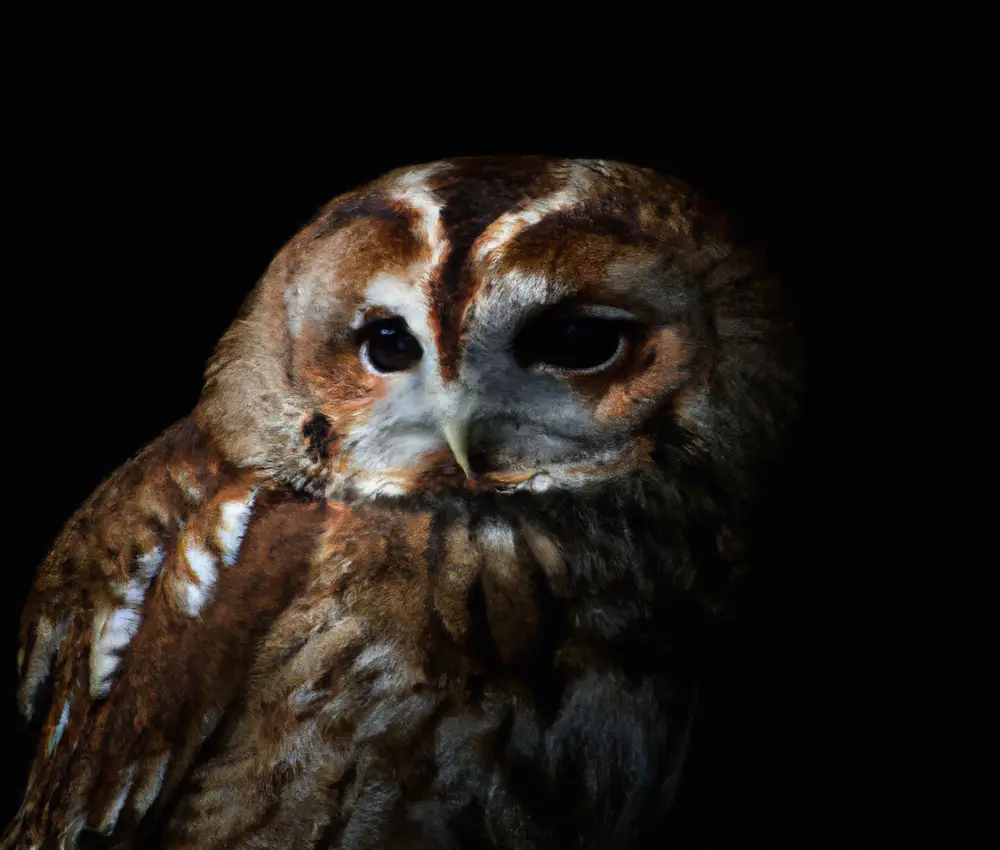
(391, 347)
(577, 343)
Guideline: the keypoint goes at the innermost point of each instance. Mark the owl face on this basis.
(490, 325)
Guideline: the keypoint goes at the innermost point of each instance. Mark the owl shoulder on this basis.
(136, 634)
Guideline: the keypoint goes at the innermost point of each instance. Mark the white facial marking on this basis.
(308, 296)
(402, 297)
(490, 244)
(410, 420)
(203, 566)
(400, 427)
(295, 296)
(235, 516)
(303, 296)
(502, 306)
(411, 189)
(57, 733)
(118, 802)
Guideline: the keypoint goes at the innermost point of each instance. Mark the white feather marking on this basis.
(115, 627)
(210, 719)
(497, 536)
(375, 656)
(57, 733)
(305, 694)
(304, 296)
(102, 662)
(202, 564)
(412, 190)
(547, 553)
(150, 563)
(545, 550)
(296, 296)
(235, 516)
(191, 597)
(507, 226)
(120, 627)
(121, 795)
(387, 673)
(68, 837)
(373, 486)
(498, 541)
(400, 426)
(400, 296)
(147, 789)
(194, 594)
(388, 662)
(36, 668)
(515, 291)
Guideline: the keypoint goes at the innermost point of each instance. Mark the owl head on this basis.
(497, 325)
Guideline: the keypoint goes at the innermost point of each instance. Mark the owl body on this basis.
(430, 563)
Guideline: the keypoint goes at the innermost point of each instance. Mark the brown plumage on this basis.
(429, 564)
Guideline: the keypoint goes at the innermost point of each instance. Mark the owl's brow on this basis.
(612, 214)
(368, 205)
(473, 198)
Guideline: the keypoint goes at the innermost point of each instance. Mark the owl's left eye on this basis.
(572, 343)
(388, 346)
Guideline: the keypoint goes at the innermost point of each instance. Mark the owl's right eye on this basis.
(388, 346)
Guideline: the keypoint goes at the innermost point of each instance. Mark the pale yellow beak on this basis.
(456, 433)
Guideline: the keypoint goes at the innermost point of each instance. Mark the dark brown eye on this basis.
(389, 346)
(573, 343)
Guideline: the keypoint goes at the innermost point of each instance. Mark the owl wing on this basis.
(140, 628)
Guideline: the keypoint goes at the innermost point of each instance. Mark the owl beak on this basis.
(456, 433)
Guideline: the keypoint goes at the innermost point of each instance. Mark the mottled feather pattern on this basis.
(457, 604)
(116, 732)
(389, 682)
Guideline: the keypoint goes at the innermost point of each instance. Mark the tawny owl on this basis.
(429, 563)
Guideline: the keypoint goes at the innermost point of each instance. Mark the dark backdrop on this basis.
(841, 715)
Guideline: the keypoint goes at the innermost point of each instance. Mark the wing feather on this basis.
(143, 622)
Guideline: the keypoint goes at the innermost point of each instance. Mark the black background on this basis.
(845, 712)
